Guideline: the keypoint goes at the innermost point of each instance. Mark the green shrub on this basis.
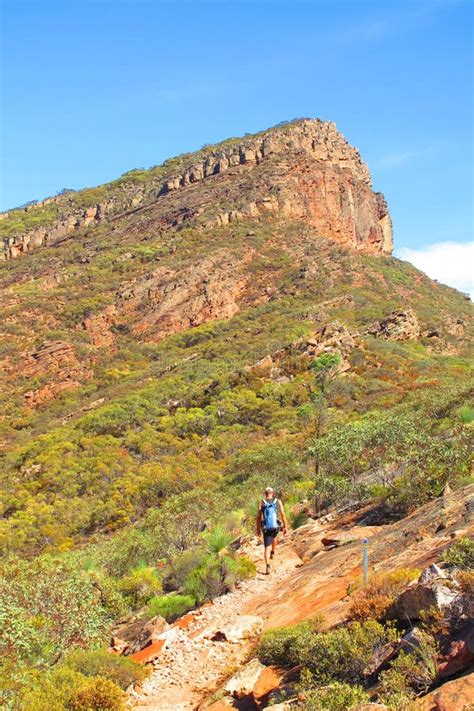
(110, 598)
(466, 413)
(124, 552)
(216, 575)
(141, 585)
(336, 697)
(50, 690)
(344, 654)
(465, 580)
(217, 539)
(460, 554)
(123, 671)
(97, 695)
(245, 567)
(412, 437)
(281, 646)
(395, 685)
(212, 578)
(414, 673)
(297, 519)
(264, 463)
(181, 567)
(64, 689)
(83, 680)
(170, 606)
(48, 606)
(14, 680)
(400, 701)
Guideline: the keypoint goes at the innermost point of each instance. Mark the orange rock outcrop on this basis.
(304, 170)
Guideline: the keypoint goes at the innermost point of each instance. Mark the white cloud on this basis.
(451, 263)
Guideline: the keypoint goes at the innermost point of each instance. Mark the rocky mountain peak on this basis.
(303, 170)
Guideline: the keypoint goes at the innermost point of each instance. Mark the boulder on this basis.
(185, 621)
(308, 548)
(154, 628)
(411, 641)
(397, 326)
(166, 640)
(330, 542)
(416, 598)
(170, 636)
(139, 633)
(460, 655)
(433, 572)
(243, 682)
(268, 680)
(457, 695)
(150, 653)
(244, 627)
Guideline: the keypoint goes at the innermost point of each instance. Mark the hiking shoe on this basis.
(267, 572)
(272, 554)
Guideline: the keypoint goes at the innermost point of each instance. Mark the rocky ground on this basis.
(216, 641)
(313, 569)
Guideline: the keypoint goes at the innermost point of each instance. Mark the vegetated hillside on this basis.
(230, 319)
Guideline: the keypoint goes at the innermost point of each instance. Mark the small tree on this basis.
(341, 455)
(325, 369)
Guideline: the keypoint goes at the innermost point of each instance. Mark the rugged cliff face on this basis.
(304, 171)
(285, 214)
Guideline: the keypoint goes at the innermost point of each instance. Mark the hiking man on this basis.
(270, 509)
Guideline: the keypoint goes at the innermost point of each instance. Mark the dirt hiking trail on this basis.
(193, 663)
(311, 573)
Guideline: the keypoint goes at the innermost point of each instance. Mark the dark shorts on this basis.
(269, 536)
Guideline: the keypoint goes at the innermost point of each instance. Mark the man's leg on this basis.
(267, 547)
(274, 545)
(266, 554)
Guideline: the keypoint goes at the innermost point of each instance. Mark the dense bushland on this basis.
(128, 492)
(198, 472)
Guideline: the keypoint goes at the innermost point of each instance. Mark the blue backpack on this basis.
(269, 514)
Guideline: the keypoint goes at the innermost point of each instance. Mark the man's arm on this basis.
(259, 519)
(283, 516)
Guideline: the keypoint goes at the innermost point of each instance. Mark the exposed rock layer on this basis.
(319, 178)
(397, 326)
(167, 302)
(56, 358)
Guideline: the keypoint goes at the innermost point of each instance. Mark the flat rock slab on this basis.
(457, 695)
(244, 627)
(150, 653)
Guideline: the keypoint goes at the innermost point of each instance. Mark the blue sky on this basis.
(93, 88)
